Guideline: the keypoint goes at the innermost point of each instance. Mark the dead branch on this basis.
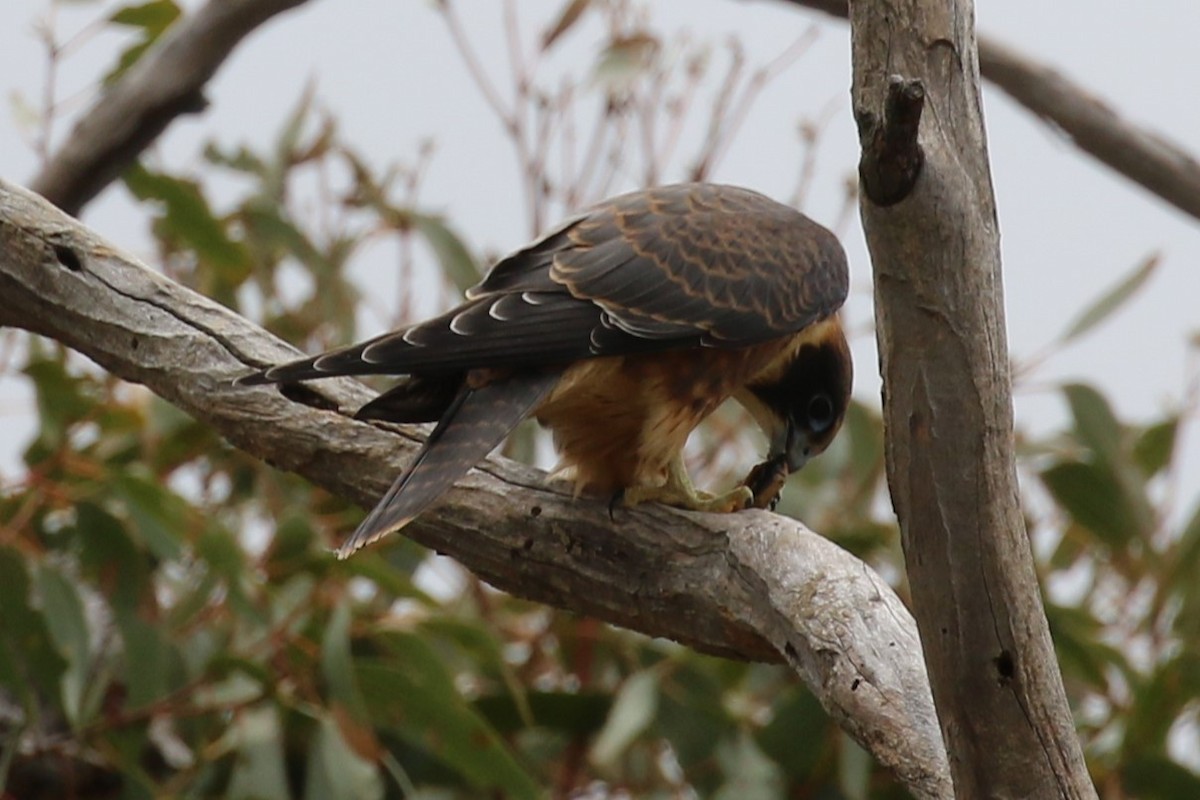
(750, 586)
(929, 216)
(1157, 164)
(130, 114)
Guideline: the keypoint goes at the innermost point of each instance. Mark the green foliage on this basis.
(171, 609)
(1128, 647)
(1112, 300)
(150, 20)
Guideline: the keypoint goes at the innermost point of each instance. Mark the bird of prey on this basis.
(620, 331)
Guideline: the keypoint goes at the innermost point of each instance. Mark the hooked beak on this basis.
(791, 445)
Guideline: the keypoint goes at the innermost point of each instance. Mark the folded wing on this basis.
(675, 266)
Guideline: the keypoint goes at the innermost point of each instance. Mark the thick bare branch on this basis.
(166, 82)
(750, 586)
(1157, 164)
(939, 312)
(1161, 166)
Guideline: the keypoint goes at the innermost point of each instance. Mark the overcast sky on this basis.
(1070, 227)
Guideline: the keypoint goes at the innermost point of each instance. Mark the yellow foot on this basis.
(734, 500)
(678, 491)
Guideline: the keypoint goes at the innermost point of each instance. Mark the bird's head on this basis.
(802, 406)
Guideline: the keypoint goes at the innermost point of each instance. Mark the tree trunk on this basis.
(930, 221)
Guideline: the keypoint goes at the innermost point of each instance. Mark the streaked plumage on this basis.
(620, 330)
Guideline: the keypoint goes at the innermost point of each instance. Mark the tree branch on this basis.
(131, 113)
(1146, 158)
(892, 158)
(1157, 164)
(751, 585)
(948, 411)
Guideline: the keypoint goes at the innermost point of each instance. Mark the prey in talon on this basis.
(813, 418)
(620, 331)
(765, 481)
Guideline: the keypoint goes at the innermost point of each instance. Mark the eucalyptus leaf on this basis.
(152, 19)
(412, 695)
(155, 512)
(571, 713)
(798, 735)
(1112, 300)
(187, 218)
(1159, 778)
(62, 608)
(147, 662)
(1155, 446)
(259, 771)
(1095, 422)
(633, 710)
(624, 60)
(749, 774)
(335, 771)
(570, 14)
(1093, 497)
(854, 768)
(34, 662)
(337, 666)
(154, 16)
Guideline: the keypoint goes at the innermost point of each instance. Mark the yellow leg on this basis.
(679, 491)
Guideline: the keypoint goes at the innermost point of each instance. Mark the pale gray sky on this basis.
(1070, 227)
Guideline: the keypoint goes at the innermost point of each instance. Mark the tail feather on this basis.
(475, 422)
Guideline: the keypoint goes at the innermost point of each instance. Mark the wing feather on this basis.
(471, 426)
(673, 266)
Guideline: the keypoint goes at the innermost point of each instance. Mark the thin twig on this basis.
(579, 189)
(46, 32)
(678, 109)
(733, 118)
(478, 73)
(718, 113)
(647, 112)
(527, 163)
(810, 137)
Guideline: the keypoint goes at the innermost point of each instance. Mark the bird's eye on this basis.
(820, 413)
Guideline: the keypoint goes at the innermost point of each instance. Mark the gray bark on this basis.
(948, 406)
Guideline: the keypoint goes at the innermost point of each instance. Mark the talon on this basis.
(740, 498)
(618, 498)
(678, 491)
(736, 499)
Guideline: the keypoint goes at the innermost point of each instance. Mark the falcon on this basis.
(620, 331)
